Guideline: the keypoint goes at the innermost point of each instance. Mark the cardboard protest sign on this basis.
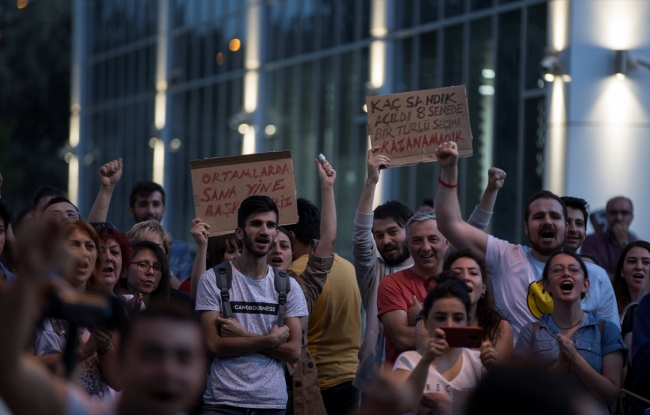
(408, 127)
(219, 185)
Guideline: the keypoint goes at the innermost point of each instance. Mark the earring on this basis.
(483, 294)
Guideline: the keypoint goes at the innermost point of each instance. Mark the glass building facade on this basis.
(161, 83)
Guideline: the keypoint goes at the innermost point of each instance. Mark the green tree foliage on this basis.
(35, 44)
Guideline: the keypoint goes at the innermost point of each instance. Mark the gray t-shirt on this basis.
(252, 380)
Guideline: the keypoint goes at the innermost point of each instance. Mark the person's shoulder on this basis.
(179, 244)
(392, 279)
(472, 355)
(608, 325)
(596, 272)
(505, 246)
(595, 238)
(411, 357)
(79, 403)
(340, 261)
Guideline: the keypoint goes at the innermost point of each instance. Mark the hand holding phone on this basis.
(469, 337)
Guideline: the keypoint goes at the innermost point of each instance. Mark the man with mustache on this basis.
(248, 348)
(516, 269)
(577, 214)
(607, 245)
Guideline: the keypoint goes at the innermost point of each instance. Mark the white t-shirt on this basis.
(252, 380)
(440, 396)
(516, 279)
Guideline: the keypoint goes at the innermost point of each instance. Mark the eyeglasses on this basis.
(144, 267)
(70, 214)
(619, 212)
(556, 270)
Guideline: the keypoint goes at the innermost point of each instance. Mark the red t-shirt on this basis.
(396, 292)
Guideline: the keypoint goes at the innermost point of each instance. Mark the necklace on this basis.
(569, 328)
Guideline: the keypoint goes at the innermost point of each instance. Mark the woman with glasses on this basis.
(577, 345)
(147, 277)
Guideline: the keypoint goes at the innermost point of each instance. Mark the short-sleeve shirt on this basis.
(396, 292)
(518, 291)
(545, 350)
(441, 396)
(253, 380)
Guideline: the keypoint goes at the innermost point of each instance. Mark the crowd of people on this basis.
(432, 316)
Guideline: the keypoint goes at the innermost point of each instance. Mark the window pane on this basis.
(506, 151)
(428, 70)
(480, 98)
(452, 68)
(429, 10)
(535, 45)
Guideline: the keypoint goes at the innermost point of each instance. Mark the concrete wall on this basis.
(607, 118)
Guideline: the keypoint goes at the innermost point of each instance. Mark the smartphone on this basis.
(470, 337)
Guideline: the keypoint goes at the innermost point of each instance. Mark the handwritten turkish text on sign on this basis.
(219, 185)
(408, 127)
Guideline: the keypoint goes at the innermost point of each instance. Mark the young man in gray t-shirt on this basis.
(249, 348)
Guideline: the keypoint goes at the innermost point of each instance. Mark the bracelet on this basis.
(106, 348)
(451, 186)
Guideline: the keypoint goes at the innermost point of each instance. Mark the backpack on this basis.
(223, 274)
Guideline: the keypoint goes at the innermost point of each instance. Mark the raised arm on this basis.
(450, 221)
(363, 245)
(496, 177)
(327, 177)
(21, 376)
(200, 232)
(109, 175)
(375, 162)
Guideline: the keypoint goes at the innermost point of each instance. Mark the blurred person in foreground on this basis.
(161, 360)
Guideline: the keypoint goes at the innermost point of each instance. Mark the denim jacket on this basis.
(545, 350)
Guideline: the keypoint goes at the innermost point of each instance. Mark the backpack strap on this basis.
(282, 286)
(223, 274)
(601, 328)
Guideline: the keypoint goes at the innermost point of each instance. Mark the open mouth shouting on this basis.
(108, 271)
(566, 287)
(276, 261)
(547, 234)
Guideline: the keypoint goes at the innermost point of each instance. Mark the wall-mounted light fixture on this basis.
(623, 63)
(241, 121)
(551, 65)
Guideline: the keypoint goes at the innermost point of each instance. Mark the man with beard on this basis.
(400, 291)
(577, 214)
(515, 269)
(607, 245)
(249, 348)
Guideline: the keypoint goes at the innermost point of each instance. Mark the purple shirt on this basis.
(604, 247)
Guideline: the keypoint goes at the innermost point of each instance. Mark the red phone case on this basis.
(470, 337)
